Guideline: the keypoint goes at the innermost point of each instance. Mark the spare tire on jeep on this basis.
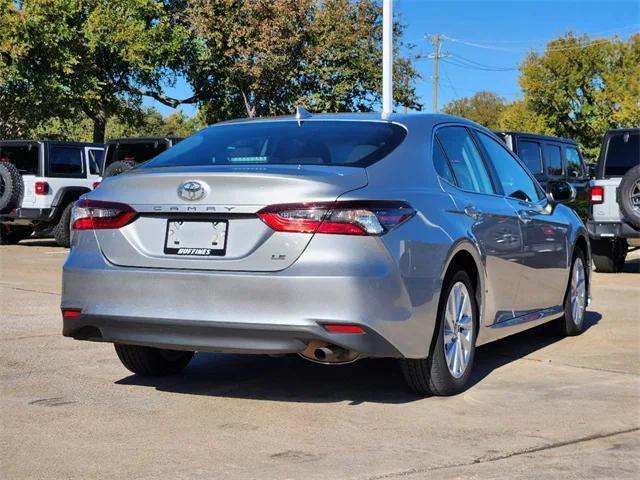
(629, 196)
(121, 166)
(11, 187)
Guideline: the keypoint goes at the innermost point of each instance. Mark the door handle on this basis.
(524, 216)
(472, 211)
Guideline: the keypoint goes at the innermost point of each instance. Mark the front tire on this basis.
(152, 362)
(447, 369)
(12, 234)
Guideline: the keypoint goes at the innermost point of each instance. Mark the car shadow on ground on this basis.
(292, 379)
(38, 242)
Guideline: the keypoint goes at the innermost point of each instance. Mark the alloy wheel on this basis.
(458, 330)
(578, 292)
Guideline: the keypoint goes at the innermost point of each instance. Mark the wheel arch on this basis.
(466, 255)
(66, 195)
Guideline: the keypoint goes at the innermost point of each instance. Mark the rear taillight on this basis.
(42, 188)
(71, 312)
(596, 194)
(98, 215)
(344, 218)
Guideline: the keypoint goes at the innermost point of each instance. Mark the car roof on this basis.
(417, 119)
(141, 139)
(57, 142)
(536, 136)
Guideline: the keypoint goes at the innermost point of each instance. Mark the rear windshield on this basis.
(348, 143)
(24, 157)
(133, 152)
(623, 153)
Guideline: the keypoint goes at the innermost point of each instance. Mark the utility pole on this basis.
(436, 57)
(387, 57)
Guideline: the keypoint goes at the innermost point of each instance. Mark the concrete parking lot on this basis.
(539, 407)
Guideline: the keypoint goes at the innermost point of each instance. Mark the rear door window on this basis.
(575, 168)
(95, 159)
(622, 154)
(553, 160)
(515, 180)
(65, 161)
(530, 153)
(24, 157)
(441, 163)
(466, 162)
(319, 142)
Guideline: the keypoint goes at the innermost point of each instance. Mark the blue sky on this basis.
(502, 32)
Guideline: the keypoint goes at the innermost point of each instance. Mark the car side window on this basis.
(574, 163)
(515, 181)
(65, 161)
(441, 163)
(554, 160)
(95, 158)
(529, 152)
(465, 159)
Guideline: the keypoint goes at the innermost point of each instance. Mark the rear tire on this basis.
(608, 255)
(12, 234)
(153, 362)
(575, 299)
(62, 230)
(433, 375)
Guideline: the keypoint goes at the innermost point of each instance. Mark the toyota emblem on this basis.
(191, 190)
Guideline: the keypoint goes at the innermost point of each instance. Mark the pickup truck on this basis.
(614, 212)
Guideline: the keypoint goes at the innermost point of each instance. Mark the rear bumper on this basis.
(24, 216)
(277, 312)
(611, 230)
(180, 334)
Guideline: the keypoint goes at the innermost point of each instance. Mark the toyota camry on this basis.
(335, 237)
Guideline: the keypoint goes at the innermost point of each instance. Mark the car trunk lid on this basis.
(220, 230)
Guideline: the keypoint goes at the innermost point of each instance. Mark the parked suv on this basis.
(553, 158)
(123, 154)
(39, 181)
(614, 215)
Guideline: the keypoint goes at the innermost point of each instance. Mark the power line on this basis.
(505, 49)
(453, 60)
(543, 42)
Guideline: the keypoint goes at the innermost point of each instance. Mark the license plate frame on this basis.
(197, 251)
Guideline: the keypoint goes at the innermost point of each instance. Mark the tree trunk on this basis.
(99, 128)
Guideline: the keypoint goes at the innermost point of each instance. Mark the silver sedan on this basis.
(336, 237)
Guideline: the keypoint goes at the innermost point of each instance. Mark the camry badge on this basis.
(191, 190)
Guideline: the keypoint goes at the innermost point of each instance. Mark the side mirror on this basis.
(560, 191)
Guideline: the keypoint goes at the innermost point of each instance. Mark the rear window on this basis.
(623, 153)
(347, 143)
(24, 157)
(133, 152)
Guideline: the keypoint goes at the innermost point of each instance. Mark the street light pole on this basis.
(387, 57)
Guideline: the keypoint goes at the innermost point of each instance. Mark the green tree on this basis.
(518, 117)
(263, 57)
(99, 58)
(483, 107)
(583, 87)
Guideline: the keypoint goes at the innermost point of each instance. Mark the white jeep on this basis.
(39, 181)
(614, 216)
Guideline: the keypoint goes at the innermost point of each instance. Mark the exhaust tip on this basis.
(322, 353)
